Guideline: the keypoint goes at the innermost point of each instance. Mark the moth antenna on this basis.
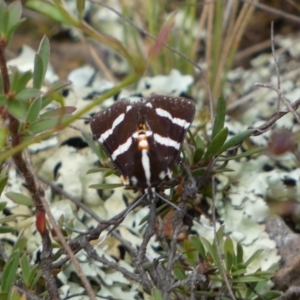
(167, 201)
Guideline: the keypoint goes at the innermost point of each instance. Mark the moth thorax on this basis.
(142, 137)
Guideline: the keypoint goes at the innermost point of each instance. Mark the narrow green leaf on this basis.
(236, 139)
(20, 243)
(244, 154)
(15, 12)
(10, 272)
(34, 110)
(44, 125)
(199, 143)
(19, 198)
(3, 182)
(38, 72)
(198, 155)
(219, 116)
(230, 258)
(80, 8)
(44, 53)
(3, 100)
(14, 295)
(105, 186)
(20, 81)
(6, 229)
(239, 253)
(248, 278)
(57, 86)
(98, 169)
(239, 272)
(198, 172)
(46, 101)
(254, 256)
(27, 94)
(18, 109)
(25, 267)
(51, 11)
(216, 144)
(34, 276)
(220, 234)
(199, 246)
(95, 148)
(2, 205)
(4, 19)
(270, 295)
(61, 111)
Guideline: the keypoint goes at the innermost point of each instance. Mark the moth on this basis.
(144, 138)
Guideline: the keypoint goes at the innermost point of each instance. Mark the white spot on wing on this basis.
(146, 166)
(108, 132)
(165, 114)
(166, 141)
(128, 108)
(134, 180)
(162, 175)
(121, 149)
(149, 105)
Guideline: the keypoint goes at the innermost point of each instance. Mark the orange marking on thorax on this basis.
(142, 138)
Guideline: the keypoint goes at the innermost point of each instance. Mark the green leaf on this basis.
(244, 154)
(98, 169)
(6, 229)
(198, 155)
(80, 8)
(178, 271)
(220, 116)
(25, 267)
(20, 243)
(105, 186)
(198, 172)
(44, 53)
(2, 205)
(20, 80)
(236, 139)
(4, 19)
(247, 279)
(199, 143)
(38, 72)
(10, 272)
(156, 295)
(230, 258)
(34, 110)
(3, 182)
(239, 272)
(18, 109)
(239, 253)
(51, 11)
(34, 276)
(19, 198)
(57, 86)
(44, 125)
(216, 144)
(254, 256)
(270, 295)
(14, 295)
(27, 94)
(199, 246)
(61, 111)
(3, 100)
(95, 148)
